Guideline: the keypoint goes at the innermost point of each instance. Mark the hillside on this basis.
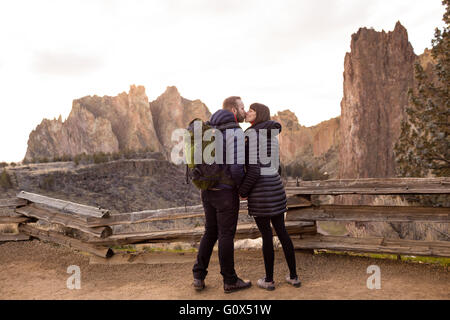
(121, 186)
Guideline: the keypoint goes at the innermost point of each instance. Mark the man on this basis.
(221, 204)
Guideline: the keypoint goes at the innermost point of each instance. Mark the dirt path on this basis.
(36, 270)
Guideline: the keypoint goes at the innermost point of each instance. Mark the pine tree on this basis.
(424, 143)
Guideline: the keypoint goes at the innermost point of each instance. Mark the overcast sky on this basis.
(287, 54)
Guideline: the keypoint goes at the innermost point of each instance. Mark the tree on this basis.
(424, 143)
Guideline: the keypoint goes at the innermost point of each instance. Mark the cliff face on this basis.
(81, 132)
(130, 117)
(295, 139)
(378, 72)
(171, 111)
(111, 124)
(325, 136)
(316, 146)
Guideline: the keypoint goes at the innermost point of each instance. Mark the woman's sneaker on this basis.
(268, 285)
(295, 282)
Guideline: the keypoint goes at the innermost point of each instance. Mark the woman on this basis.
(265, 193)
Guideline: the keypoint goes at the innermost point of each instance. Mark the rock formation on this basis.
(378, 72)
(316, 146)
(81, 132)
(130, 117)
(112, 124)
(171, 111)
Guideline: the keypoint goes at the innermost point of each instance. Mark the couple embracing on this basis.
(245, 177)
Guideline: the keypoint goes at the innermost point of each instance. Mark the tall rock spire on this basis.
(377, 74)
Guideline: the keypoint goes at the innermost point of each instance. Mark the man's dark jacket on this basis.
(235, 170)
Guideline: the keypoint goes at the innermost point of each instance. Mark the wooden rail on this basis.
(12, 202)
(243, 231)
(375, 245)
(370, 213)
(370, 186)
(59, 238)
(14, 237)
(52, 216)
(81, 211)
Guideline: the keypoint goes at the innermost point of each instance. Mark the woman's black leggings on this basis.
(263, 224)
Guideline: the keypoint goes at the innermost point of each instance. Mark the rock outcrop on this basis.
(316, 146)
(112, 124)
(81, 132)
(378, 72)
(171, 111)
(295, 139)
(130, 117)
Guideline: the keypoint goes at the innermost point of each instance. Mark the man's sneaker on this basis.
(239, 285)
(198, 284)
(295, 282)
(268, 285)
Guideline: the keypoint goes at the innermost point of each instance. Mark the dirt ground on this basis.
(37, 270)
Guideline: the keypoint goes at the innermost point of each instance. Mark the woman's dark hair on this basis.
(262, 112)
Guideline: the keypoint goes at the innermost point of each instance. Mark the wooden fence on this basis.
(95, 225)
(370, 213)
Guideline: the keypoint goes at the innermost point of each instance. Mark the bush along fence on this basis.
(94, 226)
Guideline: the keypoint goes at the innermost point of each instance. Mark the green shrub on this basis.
(116, 156)
(5, 180)
(66, 158)
(128, 154)
(13, 164)
(77, 159)
(3, 164)
(100, 157)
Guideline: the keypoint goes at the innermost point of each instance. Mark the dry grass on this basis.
(5, 180)
(8, 228)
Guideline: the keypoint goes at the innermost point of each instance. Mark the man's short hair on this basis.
(230, 103)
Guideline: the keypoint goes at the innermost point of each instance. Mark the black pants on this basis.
(263, 224)
(221, 216)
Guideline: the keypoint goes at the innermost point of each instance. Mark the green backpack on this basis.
(204, 175)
